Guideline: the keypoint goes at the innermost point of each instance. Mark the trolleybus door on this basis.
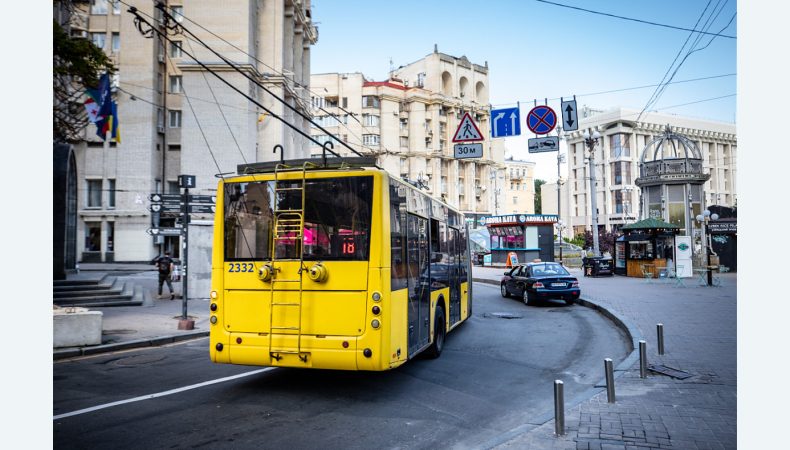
(419, 285)
(455, 282)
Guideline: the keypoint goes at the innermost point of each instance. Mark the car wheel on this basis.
(525, 296)
(438, 335)
(503, 289)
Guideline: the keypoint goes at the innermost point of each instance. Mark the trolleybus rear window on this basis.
(337, 214)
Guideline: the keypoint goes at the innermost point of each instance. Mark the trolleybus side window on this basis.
(398, 235)
(248, 220)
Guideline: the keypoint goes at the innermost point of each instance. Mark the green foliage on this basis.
(77, 58)
(538, 203)
(605, 241)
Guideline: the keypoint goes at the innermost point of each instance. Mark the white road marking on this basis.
(160, 394)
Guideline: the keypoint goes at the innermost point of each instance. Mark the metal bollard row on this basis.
(559, 408)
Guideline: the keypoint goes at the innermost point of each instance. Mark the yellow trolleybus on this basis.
(333, 264)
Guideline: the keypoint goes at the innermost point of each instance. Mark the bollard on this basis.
(660, 332)
(642, 359)
(607, 367)
(559, 408)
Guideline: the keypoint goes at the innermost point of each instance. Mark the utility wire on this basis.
(632, 19)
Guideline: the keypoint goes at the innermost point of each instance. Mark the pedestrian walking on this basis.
(165, 266)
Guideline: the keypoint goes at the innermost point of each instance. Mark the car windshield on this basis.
(548, 269)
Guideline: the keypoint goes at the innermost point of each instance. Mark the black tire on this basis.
(503, 290)
(439, 333)
(525, 296)
(569, 301)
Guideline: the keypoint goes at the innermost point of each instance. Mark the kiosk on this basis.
(527, 236)
(646, 249)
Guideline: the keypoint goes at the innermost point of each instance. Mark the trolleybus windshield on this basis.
(337, 214)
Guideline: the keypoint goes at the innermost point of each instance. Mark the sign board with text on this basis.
(462, 151)
(543, 144)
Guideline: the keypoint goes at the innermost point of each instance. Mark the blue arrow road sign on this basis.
(505, 122)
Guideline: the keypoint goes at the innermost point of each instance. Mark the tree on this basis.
(538, 203)
(606, 241)
(76, 64)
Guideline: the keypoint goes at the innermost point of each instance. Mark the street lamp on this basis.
(591, 140)
(704, 219)
(560, 159)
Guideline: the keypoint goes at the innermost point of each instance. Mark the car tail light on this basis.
(575, 284)
(537, 285)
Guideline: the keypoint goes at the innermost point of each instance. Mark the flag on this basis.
(115, 127)
(103, 118)
(92, 104)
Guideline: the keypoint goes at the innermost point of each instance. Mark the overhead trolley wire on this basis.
(632, 19)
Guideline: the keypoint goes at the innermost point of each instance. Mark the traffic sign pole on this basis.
(184, 264)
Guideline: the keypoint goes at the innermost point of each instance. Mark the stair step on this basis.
(81, 287)
(89, 293)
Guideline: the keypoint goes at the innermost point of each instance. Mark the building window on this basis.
(116, 7)
(619, 145)
(175, 84)
(404, 124)
(172, 187)
(92, 236)
(99, 7)
(178, 13)
(174, 119)
(370, 139)
(110, 236)
(94, 193)
(98, 39)
(370, 101)
(175, 49)
(174, 147)
(345, 102)
(116, 42)
(515, 200)
(370, 120)
(618, 201)
(111, 193)
(621, 172)
(404, 142)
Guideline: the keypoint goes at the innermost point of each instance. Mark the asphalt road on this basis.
(495, 374)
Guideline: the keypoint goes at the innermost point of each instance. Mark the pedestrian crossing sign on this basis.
(467, 130)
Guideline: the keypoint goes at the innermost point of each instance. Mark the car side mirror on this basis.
(507, 273)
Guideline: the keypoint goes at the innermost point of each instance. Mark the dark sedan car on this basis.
(540, 280)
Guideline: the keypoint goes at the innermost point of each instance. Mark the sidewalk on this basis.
(154, 323)
(699, 412)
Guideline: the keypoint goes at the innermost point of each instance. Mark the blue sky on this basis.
(537, 50)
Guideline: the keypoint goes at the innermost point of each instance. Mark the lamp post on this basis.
(704, 219)
(627, 201)
(591, 140)
(560, 159)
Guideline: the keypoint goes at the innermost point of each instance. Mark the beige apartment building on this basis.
(408, 122)
(617, 158)
(178, 118)
(519, 187)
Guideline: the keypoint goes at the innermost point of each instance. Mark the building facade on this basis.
(408, 122)
(178, 118)
(616, 160)
(519, 187)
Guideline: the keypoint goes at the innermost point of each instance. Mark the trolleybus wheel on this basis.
(438, 335)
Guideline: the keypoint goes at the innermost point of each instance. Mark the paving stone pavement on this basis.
(656, 412)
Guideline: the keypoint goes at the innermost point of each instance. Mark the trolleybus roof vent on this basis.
(315, 164)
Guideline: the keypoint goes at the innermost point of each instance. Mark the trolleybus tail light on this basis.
(345, 344)
(213, 319)
(219, 346)
(213, 294)
(375, 323)
(367, 352)
(238, 340)
(213, 306)
(376, 310)
(376, 296)
(537, 285)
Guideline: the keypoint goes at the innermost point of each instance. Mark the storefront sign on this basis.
(521, 218)
(723, 227)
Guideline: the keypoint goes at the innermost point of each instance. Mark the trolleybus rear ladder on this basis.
(288, 227)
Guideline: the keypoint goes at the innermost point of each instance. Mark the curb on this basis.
(624, 324)
(142, 343)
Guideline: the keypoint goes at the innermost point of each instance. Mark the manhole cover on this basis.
(502, 315)
(138, 360)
